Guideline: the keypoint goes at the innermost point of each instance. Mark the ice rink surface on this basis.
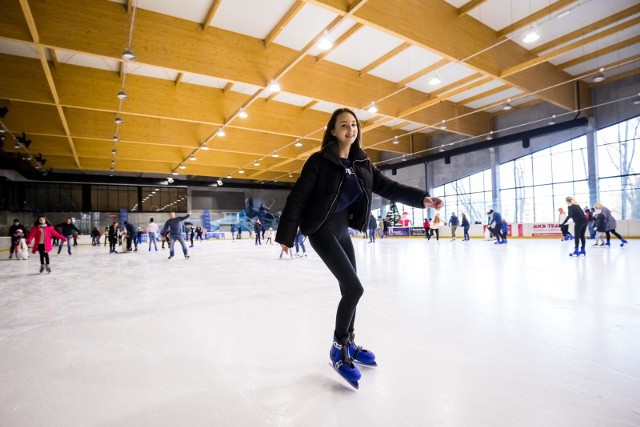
(465, 334)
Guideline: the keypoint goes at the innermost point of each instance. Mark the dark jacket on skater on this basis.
(325, 174)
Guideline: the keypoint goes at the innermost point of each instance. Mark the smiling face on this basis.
(345, 130)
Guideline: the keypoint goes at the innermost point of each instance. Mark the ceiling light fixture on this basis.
(395, 140)
(490, 136)
(174, 173)
(229, 176)
(204, 147)
(182, 167)
(243, 114)
(531, 36)
(636, 100)
(325, 43)
(116, 138)
(241, 171)
(443, 125)
(256, 163)
(372, 108)
(507, 106)
(435, 79)
(600, 76)
(118, 120)
(220, 132)
(290, 175)
(192, 157)
(128, 55)
(552, 121)
(122, 94)
(114, 152)
(274, 86)
(563, 14)
(298, 143)
(275, 154)
(442, 148)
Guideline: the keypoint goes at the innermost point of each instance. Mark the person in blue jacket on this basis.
(495, 225)
(174, 230)
(66, 229)
(333, 193)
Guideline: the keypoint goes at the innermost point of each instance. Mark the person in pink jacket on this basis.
(41, 234)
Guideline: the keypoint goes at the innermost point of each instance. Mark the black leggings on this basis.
(579, 230)
(44, 256)
(333, 244)
(614, 233)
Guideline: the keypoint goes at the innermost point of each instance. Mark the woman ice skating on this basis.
(610, 224)
(332, 194)
(41, 233)
(576, 213)
(465, 226)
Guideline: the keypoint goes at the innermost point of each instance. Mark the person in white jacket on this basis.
(566, 235)
(152, 232)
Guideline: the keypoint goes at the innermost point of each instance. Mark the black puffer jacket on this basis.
(313, 199)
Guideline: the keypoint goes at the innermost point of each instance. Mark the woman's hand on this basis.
(433, 202)
(285, 248)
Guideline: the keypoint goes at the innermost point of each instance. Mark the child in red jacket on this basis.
(41, 233)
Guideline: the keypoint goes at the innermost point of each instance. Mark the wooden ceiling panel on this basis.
(34, 118)
(23, 79)
(64, 107)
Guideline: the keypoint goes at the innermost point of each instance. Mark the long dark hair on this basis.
(46, 221)
(328, 138)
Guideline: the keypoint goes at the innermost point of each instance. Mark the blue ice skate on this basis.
(577, 253)
(360, 355)
(624, 242)
(342, 362)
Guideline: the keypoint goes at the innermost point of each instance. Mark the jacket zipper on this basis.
(362, 228)
(331, 207)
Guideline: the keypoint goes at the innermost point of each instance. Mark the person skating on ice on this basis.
(174, 229)
(465, 227)
(152, 232)
(495, 225)
(453, 223)
(334, 193)
(41, 234)
(13, 233)
(564, 228)
(610, 224)
(575, 213)
(66, 229)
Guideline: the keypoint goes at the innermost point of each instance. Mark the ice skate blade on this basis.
(368, 365)
(353, 384)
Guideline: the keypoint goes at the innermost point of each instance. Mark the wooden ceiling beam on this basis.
(215, 4)
(568, 48)
(286, 19)
(468, 7)
(471, 37)
(343, 38)
(430, 69)
(535, 17)
(26, 9)
(587, 29)
(600, 52)
(384, 58)
(98, 38)
(482, 95)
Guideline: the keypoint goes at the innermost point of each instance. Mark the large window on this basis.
(533, 187)
(470, 195)
(619, 168)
